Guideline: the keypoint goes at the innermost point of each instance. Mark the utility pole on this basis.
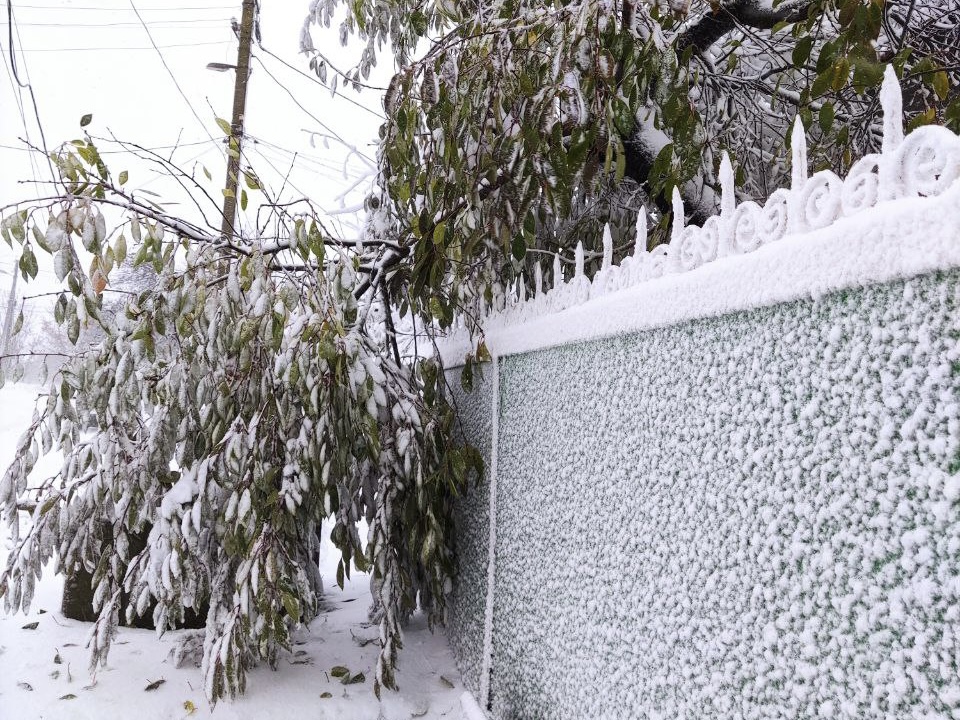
(231, 187)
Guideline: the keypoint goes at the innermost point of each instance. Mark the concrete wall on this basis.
(755, 515)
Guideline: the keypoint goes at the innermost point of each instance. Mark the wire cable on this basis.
(312, 79)
(18, 97)
(333, 133)
(33, 99)
(158, 48)
(178, 9)
(170, 72)
(121, 25)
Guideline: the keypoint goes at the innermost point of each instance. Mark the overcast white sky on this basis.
(95, 56)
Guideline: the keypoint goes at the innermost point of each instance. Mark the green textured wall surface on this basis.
(752, 516)
(468, 600)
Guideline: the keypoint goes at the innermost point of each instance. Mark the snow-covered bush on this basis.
(233, 409)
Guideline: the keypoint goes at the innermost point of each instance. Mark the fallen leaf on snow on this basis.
(358, 678)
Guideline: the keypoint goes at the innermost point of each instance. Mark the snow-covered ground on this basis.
(44, 670)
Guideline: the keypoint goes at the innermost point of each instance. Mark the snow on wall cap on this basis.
(923, 164)
(891, 100)
(607, 248)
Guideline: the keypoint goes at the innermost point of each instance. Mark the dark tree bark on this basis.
(704, 32)
(77, 602)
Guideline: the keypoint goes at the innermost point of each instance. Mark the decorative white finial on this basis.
(891, 99)
(578, 261)
(641, 244)
(677, 216)
(607, 248)
(537, 280)
(798, 148)
(728, 200)
(557, 271)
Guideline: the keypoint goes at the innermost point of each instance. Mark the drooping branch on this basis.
(702, 32)
(642, 148)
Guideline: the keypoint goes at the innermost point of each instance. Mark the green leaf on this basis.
(291, 605)
(18, 325)
(841, 71)
(941, 84)
(28, 263)
(621, 167)
(122, 179)
(339, 671)
(825, 117)
(801, 51)
(60, 308)
(822, 82)
(483, 354)
(225, 126)
(438, 233)
(518, 247)
(243, 199)
(73, 328)
(86, 120)
(418, 21)
(120, 249)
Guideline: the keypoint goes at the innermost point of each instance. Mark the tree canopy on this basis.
(519, 125)
(260, 389)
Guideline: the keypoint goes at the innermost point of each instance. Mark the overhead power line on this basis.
(206, 22)
(29, 87)
(179, 9)
(119, 152)
(170, 72)
(158, 48)
(316, 80)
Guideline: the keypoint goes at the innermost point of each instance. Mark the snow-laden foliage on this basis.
(745, 516)
(923, 164)
(232, 411)
(516, 128)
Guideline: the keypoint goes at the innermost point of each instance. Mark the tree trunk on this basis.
(77, 603)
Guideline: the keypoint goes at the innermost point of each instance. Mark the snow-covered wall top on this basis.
(893, 216)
